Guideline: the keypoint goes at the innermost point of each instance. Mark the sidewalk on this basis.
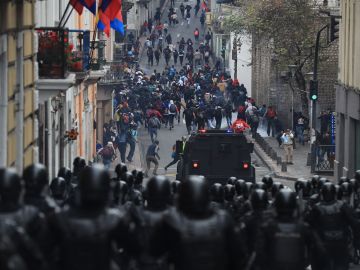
(298, 170)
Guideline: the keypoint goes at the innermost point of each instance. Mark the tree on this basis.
(290, 27)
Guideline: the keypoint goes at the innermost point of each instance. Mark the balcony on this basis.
(51, 57)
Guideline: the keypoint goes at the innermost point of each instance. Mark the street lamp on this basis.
(292, 73)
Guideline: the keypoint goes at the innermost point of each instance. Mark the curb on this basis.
(269, 163)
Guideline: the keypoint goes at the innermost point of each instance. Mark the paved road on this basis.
(168, 137)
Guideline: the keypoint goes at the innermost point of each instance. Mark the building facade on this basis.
(67, 101)
(18, 98)
(348, 91)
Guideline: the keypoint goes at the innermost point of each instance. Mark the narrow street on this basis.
(166, 137)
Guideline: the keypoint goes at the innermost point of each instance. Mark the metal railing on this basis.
(323, 157)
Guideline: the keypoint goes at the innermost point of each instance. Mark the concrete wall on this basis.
(270, 86)
(348, 92)
(17, 92)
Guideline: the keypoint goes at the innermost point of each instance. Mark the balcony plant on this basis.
(51, 53)
(74, 59)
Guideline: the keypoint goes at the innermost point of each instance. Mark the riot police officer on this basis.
(158, 198)
(28, 223)
(284, 242)
(255, 218)
(332, 220)
(86, 233)
(36, 180)
(194, 235)
(58, 190)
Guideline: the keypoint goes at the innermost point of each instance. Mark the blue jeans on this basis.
(300, 134)
(153, 134)
(228, 120)
(132, 144)
(107, 163)
(122, 150)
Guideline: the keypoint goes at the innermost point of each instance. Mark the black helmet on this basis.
(229, 191)
(300, 185)
(277, 186)
(315, 181)
(139, 177)
(328, 192)
(65, 173)
(259, 199)
(94, 186)
(194, 196)
(136, 197)
(231, 180)
(10, 185)
(129, 179)
(346, 189)
(239, 186)
(58, 187)
(357, 176)
(285, 203)
(79, 164)
(36, 178)
(343, 179)
(354, 184)
(248, 188)
(268, 181)
(121, 170)
(260, 185)
(120, 189)
(158, 192)
(339, 193)
(175, 186)
(322, 182)
(217, 193)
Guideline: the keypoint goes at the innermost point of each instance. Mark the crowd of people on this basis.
(84, 219)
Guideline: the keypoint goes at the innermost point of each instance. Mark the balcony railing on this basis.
(115, 74)
(79, 55)
(53, 44)
(97, 58)
(63, 50)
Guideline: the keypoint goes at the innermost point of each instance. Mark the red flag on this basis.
(78, 5)
(110, 8)
(104, 23)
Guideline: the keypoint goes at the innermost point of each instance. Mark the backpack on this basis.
(107, 152)
(196, 33)
(172, 108)
(207, 54)
(153, 123)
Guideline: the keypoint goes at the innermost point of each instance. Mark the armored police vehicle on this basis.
(217, 155)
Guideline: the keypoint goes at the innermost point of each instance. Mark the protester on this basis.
(152, 156)
(108, 154)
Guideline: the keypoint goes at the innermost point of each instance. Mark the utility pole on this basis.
(234, 56)
(314, 88)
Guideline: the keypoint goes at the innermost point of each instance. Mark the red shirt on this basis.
(239, 126)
